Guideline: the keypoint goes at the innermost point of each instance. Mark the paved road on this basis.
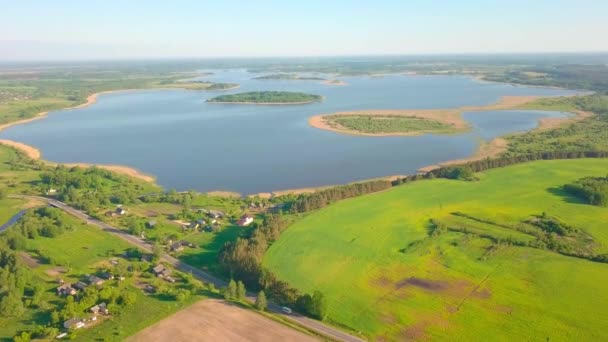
(311, 324)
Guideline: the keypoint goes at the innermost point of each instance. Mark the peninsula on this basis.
(267, 98)
(408, 122)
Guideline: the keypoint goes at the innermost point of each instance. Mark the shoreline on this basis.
(34, 153)
(311, 189)
(485, 150)
(338, 83)
(450, 116)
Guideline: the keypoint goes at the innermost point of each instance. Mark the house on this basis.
(100, 308)
(186, 243)
(151, 224)
(66, 290)
(160, 271)
(74, 323)
(176, 246)
(245, 220)
(51, 191)
(106, 275)
(201, 222)
(94, 280)
(216, 214)
(80, 286)
(120, 210)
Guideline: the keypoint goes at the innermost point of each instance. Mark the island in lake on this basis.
(387, 124)
(267, 97)
(289, 77)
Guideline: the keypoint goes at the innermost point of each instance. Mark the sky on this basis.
(111, 29)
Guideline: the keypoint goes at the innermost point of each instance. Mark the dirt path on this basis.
(215, 320)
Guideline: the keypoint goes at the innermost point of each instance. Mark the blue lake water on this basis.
(188, 143)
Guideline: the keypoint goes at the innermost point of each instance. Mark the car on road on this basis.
(286, 310)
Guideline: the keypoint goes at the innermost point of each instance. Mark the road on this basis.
(313, 325)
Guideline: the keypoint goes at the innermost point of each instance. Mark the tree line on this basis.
(242, 260)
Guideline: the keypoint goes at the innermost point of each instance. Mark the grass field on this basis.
(387, 124)
(386, 276)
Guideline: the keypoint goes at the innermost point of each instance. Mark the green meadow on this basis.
(386, 275)
(388, 124)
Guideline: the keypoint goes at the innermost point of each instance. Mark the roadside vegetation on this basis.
(267, 97)
(377, 124)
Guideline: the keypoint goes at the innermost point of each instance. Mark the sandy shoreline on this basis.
(451, 116)
(334, 82)
(35, 153)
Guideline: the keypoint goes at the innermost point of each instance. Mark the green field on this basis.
(386, 276)
(267, 97)
(387, 124)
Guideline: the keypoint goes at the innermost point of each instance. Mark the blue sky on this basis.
(57, 29)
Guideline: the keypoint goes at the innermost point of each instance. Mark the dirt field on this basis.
(215, 320)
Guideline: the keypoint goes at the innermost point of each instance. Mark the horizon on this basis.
(420, 57)
(269, 29)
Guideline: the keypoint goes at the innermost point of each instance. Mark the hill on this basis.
(462, 260)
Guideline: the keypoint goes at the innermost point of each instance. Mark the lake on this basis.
(188, 143)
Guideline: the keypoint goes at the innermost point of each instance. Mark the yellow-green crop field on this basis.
(386, 276)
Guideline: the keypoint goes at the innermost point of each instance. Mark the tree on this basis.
(128, 298)
(23, 337)
(241, 292)
(55, 317)
(11, 305)
(231, 290)
(157, 252)
(260, 302)
(319, 305)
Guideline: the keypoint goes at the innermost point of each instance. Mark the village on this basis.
(110, 289)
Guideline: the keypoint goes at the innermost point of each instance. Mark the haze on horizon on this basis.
(72, 30)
